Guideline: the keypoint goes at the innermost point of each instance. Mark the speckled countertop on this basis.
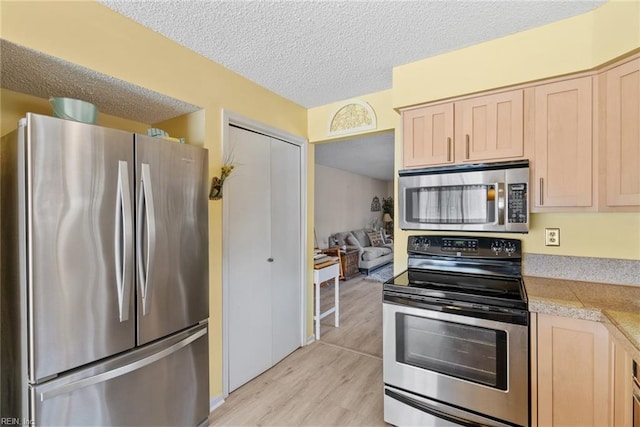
(616, 306)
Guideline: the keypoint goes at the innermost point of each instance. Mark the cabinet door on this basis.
(623, 134)
(573, 372)
(622, 387)
(428, 136)
(563, 144)
(490, 127)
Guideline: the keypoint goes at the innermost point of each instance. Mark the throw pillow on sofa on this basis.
(376, 238)
(362, 237)
(352, 241)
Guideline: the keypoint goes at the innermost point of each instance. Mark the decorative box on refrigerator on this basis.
(104, 285)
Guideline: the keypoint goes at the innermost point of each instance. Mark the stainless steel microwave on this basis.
(471, 197)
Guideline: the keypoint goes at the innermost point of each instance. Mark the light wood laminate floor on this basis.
(336, 381)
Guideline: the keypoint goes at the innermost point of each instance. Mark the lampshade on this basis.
(387, 218)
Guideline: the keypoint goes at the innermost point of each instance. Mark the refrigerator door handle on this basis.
(145, 204)
(123, 241)
(123, 370)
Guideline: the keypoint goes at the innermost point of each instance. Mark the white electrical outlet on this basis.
(552, 236)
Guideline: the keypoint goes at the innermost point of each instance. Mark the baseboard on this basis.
(311, 339)
(215, 403)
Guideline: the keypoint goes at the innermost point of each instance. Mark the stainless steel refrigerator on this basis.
(104, 293)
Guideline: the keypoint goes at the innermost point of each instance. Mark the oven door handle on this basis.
(519, 317)
(424, 406)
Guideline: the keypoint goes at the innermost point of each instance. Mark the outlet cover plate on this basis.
(552, 236)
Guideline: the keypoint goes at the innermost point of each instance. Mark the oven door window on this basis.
(458, 204)
(462, 351)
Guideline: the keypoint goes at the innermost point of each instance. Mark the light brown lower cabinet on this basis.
(622, 387)
(573, 373)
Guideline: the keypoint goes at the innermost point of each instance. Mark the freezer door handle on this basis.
(123, 241)
(146, 206)
(123, 370)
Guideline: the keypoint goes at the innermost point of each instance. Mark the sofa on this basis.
(374, 248)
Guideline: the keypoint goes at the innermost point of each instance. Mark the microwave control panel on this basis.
(517, 204)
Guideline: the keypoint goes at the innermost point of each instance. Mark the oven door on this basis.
(460, 359)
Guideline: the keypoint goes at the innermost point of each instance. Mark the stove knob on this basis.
(497, 247)
(423, 244)
(416, 243)
(509, 248)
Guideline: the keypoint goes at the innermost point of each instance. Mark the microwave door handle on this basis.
(501, 202)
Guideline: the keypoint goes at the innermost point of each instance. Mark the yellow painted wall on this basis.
(596, 235)
(574, 44)
(90, 35)
(93, 36)
(319, 117)
(14, 106)
(188, 126)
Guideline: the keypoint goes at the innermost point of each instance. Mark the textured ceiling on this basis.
(370, 155)
(28, 71)
(311, 52)
(318, 52)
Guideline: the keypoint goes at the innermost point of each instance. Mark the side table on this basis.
(320, 275)
(349, 260)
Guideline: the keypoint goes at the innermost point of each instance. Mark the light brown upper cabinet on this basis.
(482, 128)
(428, 135)
(562, 127)
(621, 103)
(489, 127)
(581, 134)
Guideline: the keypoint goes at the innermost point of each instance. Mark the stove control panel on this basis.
(459, 245)
(464, 246)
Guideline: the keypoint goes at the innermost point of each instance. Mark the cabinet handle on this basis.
(466, 156)
(449, 149)
(541, 191)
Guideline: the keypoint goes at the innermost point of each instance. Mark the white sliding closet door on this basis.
(247, 194)
(264, 254)
(285, 248)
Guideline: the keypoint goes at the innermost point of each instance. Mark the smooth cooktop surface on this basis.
(492, 290)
